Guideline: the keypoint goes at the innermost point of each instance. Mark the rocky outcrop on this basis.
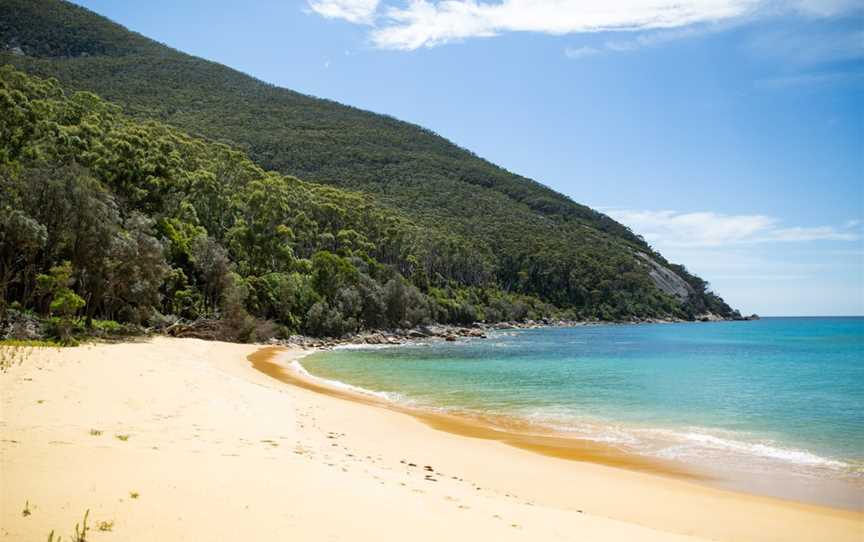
(667, 280)
(709, 317)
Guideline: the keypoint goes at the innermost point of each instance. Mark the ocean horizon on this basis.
(774, 406)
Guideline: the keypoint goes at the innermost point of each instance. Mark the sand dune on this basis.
(184, 440)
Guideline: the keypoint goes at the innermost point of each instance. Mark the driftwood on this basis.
(202, 328)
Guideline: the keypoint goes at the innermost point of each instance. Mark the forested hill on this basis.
(314, 139)
(470, 230)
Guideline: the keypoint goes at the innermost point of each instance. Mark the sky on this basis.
(729, 133)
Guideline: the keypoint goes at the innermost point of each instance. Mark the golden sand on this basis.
(214, 449)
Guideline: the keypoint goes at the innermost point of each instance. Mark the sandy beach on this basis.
(182, 439)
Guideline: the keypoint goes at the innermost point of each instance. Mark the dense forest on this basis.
(182, 200)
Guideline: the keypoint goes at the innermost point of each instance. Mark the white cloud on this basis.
(819, 233)
(706, 229)
(353, 11)
(427, 23)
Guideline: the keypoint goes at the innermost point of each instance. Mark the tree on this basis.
(64, 303)
(21, 238)
(213, 267)
(136, 270)
(331, 272)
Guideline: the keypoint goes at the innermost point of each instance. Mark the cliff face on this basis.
(667, 280)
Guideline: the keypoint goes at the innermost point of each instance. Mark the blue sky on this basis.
(730, 133)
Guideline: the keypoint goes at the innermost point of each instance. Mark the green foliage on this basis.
(21, 238)
(154, 221)
(330, 273)
(308, 257)
(480, 224)
(62, 301)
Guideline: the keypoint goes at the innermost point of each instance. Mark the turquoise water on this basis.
(781, 394)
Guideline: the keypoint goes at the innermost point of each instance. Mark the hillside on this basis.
(473, 226)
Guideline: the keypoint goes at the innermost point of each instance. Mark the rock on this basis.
(450, 338)
(425, 330)
(709, 317)
(667, 280)
(376, 338)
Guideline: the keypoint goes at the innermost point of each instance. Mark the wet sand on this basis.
(500, 429)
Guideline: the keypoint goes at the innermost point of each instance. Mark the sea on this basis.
(772, 406)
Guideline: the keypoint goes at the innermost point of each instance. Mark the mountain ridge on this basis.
(481, 226)
(95, 44)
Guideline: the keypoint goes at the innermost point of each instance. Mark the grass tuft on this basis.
(81, 536)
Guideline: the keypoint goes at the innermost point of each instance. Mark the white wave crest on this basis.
(387, 396)
(690, 442)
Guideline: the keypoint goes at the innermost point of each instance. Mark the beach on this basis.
(183, 439)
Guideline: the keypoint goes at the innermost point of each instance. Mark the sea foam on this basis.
(297, 367)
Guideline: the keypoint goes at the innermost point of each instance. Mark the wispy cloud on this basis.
(652, 39)
(580, 52)
(425, 24)
(353, 11)
(428, 23)
(707, 229)
(647, 39)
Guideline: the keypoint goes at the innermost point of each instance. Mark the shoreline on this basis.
(453, 333)
(547, 441)
(158, 438)
(509, 431)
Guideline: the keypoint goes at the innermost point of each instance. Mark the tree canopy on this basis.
(182, 195)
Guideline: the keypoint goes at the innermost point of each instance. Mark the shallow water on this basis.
(781, 398)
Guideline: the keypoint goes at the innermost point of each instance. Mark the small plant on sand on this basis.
(11, 354)
(134, 494)
(80, 534)
(124, 438)
(26, 512)
(105, 526)
(16, 351)
(95, 432)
